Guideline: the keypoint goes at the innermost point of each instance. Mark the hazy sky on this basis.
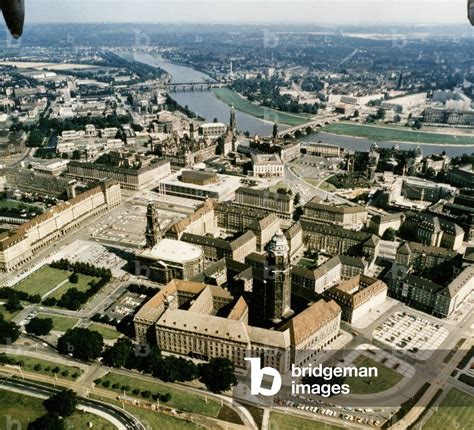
(238, 11)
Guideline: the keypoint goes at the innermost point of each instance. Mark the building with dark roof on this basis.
(280, 204)
(438, 300)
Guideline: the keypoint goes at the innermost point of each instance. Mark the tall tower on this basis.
(153, 230)
(233, 121)
(278, 284)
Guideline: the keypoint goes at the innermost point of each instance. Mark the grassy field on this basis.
(154, 420)
(280, 421)
(181, 400)
(46, 367)
(24, 409)
(42, 281)
(233, 99)
(106, 332)
(387, 378)
(456, 411)
(60, 323)
(380, 133)
(82, 285)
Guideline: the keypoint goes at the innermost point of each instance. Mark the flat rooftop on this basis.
(173, 251)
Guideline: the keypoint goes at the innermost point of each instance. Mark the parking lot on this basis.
(411, 335)
(95, 254)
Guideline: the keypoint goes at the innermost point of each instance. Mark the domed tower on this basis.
(153, 230)
(278, 289)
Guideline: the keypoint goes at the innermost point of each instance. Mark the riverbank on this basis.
(231, 98)
(380, 133)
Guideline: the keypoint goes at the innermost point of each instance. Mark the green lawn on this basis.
(106, 332)
(154, 420)
(42, 281)
(380, 133)
(240, 103)
(280, 421)
(46, 367)
(24, 409)
(456, 411)
(387, 378)
(60, 323)
(181, 400)
(82, 285)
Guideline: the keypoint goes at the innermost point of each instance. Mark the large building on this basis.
(434, 231)
(267, 165)
(191, 185)
(205, 321)
(281, 204)
(421, 257)
(170, 259)
(129, 178)
(336, 240)
(19, 246)
(345, 216)
(358, 297)
(216, 248)
(306, 282)
(438, 300)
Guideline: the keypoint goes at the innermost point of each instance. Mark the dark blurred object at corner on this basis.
(14, 14)
(470, 10)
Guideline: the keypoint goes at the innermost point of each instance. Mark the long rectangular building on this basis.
(281, 204)
(128, 178)
(19, 246)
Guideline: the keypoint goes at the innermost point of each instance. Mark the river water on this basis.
(207, 105)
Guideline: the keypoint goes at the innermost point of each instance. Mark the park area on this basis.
(60, 323)
(456, 411)
(386, 379)
(24, 409)
(240, 103)
(49, 282)
(280, 421)
(393, 134)
(182, 400)
(47, 368)
(108, 333)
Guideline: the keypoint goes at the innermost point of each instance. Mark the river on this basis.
(204, 103)
(207, 105)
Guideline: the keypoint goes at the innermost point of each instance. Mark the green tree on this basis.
(47, 422)
(120, 354)
(39, 326)
(218, 375)
(74, 278)
(297, 199)
(82, 343)
(389, 234)
(9, 331)
(35, 139)
(76, 155)
(63, 403)
(13, 304)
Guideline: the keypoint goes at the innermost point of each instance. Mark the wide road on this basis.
(120, 418)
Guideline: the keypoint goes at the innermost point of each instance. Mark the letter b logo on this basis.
(256, 378)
